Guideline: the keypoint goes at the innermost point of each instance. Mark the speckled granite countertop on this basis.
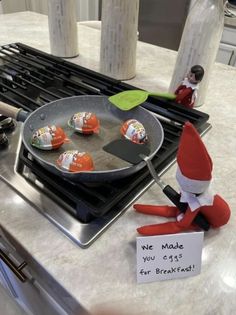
(105, 273)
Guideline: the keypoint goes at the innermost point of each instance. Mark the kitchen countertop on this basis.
(105, 273)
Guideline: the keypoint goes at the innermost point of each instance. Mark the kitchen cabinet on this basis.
(32, 295)
(40, 6)
(8, 305)
(227, 50)
(10, 6)
(226, 54)
(86, 10)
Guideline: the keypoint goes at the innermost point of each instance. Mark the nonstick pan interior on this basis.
(111, 118)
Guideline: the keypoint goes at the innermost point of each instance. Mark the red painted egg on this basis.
(49, 138)
(134, 131)
(75, 161)
(84, 122)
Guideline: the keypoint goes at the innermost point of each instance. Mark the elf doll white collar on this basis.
(188, 84)
(194, 192)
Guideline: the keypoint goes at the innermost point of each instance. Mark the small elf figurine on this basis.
(186, 93)
(194, 175)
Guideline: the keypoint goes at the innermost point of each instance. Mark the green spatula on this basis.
(127, 100)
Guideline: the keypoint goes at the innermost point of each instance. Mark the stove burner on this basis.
(3, 141)
(7, 124)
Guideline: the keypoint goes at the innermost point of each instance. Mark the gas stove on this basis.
(30, 78)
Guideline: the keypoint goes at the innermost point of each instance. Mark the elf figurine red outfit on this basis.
(186, 93)
(194, 175)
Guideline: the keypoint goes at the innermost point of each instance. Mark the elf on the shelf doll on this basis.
(186, 93)
(194, 174)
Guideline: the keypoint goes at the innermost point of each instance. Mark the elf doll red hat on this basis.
(194, 172)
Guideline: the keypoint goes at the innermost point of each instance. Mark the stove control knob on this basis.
(7, 124)
(3, 141)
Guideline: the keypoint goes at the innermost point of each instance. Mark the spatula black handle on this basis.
(199, 220)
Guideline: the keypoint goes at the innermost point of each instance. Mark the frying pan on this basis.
(107, 166)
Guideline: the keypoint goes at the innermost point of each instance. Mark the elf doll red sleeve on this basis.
(186, 94)
(194, 174)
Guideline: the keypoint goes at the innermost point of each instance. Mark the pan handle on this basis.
(168, 96)
(11, 111)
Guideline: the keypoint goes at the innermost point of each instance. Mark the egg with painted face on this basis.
(134, 131)
(75, 161)
(49, 138)
(84, 122)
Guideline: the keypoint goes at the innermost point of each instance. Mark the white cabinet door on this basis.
(227, 49)
(226, 54)
(31, 296)
(8, 305)
(229, 36)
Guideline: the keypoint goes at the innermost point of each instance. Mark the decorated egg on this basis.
(49, 138)
(84, 122)
(75, 161)
(133, 130)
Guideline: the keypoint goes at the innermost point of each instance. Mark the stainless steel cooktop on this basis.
(81, 233)
(30, 78)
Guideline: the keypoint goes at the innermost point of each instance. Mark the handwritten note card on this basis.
(171, 256)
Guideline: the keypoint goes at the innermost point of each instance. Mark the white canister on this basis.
(62, 23)
(119, 38)
(199, 44)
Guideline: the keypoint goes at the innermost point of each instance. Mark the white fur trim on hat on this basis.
(196, 201)
(191, 185)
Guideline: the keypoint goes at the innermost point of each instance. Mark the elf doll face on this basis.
(191, 78)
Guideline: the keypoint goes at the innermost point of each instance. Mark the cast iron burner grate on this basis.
(85, 201)
(30, 78)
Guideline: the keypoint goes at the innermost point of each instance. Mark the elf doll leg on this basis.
(161, 229)
(163, 211)
(184, 224)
